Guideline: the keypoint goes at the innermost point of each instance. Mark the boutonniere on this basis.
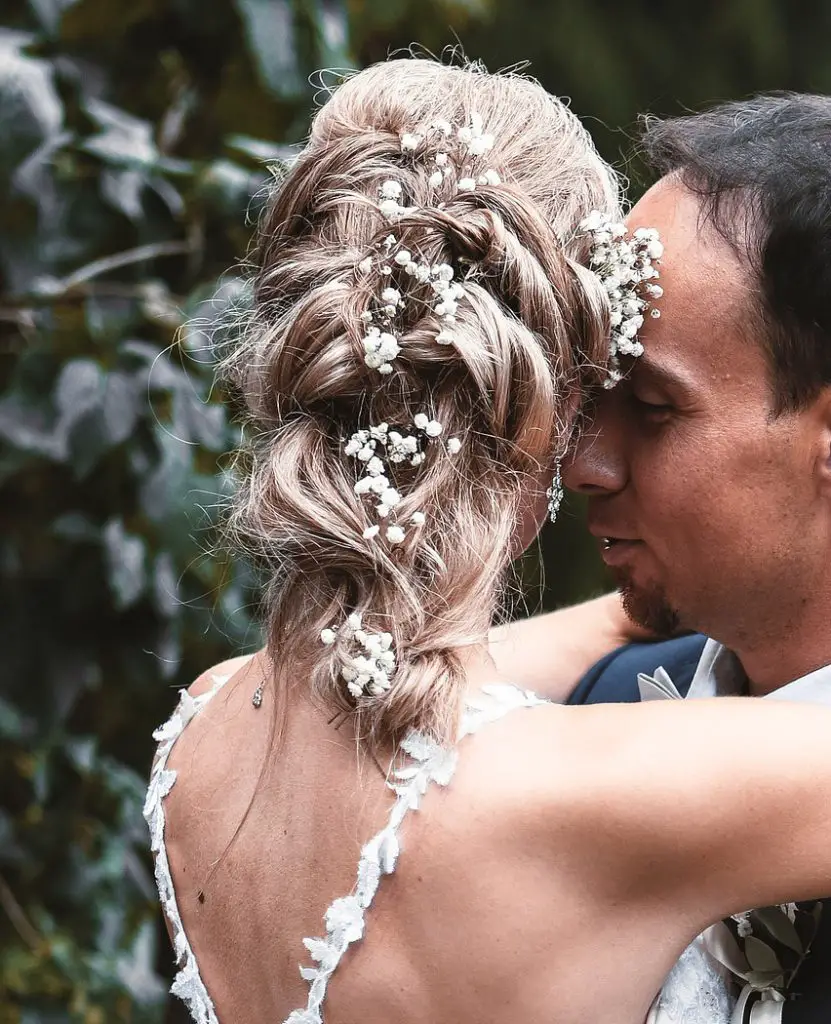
(765, 948)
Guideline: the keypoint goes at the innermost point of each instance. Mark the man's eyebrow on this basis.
(659, 374)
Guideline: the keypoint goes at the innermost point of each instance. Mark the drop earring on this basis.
(555, 493)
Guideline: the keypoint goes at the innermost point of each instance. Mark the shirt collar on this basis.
(719, 674)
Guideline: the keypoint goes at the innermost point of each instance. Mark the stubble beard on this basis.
(647, 607)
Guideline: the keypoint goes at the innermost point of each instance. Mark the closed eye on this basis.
(653, 410)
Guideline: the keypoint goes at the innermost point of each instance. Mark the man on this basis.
(708, 470)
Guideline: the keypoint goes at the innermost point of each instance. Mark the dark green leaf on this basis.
(269, 29)
(125, 562)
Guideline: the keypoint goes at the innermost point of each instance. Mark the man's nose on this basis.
(596, 464)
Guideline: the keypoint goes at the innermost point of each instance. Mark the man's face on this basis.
(714, 508)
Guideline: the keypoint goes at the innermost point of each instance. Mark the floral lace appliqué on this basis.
(187, 984)
(695, 992)
(424, 762)
(428, 762)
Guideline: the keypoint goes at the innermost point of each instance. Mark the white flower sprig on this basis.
(377, 448)
(367, 674)
(625, 266)
(454, 151)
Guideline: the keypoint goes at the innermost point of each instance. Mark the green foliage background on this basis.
(134, 138)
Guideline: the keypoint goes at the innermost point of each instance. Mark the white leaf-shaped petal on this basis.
(390, 848)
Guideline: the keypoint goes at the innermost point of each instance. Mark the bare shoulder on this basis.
(223, 670)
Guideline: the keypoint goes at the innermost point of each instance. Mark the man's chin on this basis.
(648, 606)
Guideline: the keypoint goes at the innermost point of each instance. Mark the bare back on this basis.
(480, 921)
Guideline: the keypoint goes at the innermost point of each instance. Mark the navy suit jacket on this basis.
(614, 680)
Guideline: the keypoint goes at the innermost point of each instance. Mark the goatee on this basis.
(648, 608)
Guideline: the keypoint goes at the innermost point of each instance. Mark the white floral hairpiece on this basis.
(368, 674)
(378, 448)
(381, 343)
(626, 268)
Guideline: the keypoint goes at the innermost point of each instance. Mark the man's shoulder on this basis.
(614, 679)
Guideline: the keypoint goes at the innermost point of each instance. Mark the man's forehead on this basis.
(706, 286)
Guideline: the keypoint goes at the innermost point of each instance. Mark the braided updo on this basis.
(532, 324)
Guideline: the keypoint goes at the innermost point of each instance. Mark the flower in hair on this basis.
(625, 267)
(410, 142)
(478, 142)
(367, 674)
(380, 347)
(379, 448)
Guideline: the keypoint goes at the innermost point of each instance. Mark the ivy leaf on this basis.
(30, 108)
(270, 33)
(121, 406)
(125, 555)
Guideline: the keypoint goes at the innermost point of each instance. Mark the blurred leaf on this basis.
(30, 110)
(125, 563)
(269, 29)
(49, 14)
(260, 150)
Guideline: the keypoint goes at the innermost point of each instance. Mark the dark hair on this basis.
(762, 170)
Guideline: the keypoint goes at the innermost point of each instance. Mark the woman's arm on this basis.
(549, 653)
(704, 808)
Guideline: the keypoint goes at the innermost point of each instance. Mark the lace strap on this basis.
(187, 984)
(428, 762)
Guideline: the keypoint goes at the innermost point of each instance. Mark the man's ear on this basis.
(821, 419)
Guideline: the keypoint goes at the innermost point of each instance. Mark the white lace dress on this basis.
(694, 994)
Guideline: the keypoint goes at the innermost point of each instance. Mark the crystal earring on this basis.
(555, 493)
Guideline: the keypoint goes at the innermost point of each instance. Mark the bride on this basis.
(433, 301)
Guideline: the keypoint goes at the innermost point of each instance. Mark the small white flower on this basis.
(490, 177)
(391, 190)
(420, 421)
(403, 257)
(391, 296)
(390, 209)
(441, 159)
(328, 636)
(480, 146)
(371, 531)
(366, 316)
(390, 497)
(445, 338)
(433, 428)
(410, 142)
(417, 519)
(365, 265)
(467, 185)
(395, 535)
(443, 126)
(454, 445)
(355, 621)
(435, 179)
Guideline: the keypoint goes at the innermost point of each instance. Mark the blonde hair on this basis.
(533, 321)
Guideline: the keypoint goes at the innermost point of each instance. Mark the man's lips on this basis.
(614, 549)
